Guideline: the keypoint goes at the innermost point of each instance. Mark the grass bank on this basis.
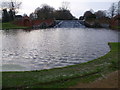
(9, 25)
(66, 76)
(116, 28)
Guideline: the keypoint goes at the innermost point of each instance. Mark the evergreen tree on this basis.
(11, 15)
(5, 16)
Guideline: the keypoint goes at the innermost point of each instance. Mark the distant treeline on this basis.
(48, 12)
(63, 13)
(103, 18)
(43, 12)
(91, 18)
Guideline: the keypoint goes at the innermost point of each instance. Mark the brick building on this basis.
(27, 22)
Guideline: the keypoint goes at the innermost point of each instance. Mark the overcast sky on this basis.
(77, 7)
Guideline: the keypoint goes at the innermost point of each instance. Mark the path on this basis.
(109, 81)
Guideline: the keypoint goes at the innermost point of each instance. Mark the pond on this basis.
(24, 50)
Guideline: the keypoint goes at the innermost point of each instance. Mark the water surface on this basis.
(50, 48)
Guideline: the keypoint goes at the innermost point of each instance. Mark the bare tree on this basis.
(89, 15)
(118, 8)
(65, 6)
(112, 10)
(13, 5)
(9, 9)
(100, 14)
(44, 12)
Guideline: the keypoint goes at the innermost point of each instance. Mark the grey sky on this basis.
(77, 7)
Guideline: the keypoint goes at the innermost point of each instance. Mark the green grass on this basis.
(66, 76)
(116, 27)
(9, 25)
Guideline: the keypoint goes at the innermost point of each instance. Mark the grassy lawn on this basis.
(9, 25)
(116, 27)
(66, 76)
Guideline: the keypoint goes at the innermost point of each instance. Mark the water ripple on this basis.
(50, 48)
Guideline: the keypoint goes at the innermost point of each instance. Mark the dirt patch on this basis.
(109, 81)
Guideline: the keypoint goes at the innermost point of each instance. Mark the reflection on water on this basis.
(49, 48)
